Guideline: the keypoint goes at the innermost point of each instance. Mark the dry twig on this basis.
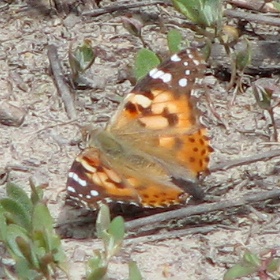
(256, 5)
(244, 161)
(171, 234)
(275, 21)
(120, 7)
(62, 87)
(200, 209)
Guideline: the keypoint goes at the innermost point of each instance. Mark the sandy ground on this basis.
(42, 147)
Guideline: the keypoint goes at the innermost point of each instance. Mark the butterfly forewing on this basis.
(154, 136)
(159, 116)
(162, 100)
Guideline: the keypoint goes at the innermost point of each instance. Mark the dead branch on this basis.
(275, 21)
(244, 161)
(120, 7)
(200, 209)
(62, 87)
(257, 5)
(168, 235)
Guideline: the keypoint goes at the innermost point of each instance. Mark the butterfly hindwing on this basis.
(99, 183)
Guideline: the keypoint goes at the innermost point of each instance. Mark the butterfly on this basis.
(153, 149)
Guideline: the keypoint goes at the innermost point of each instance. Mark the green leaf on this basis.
(117, 229)
(116, 233)
(18, 194)
(59, 254)
(205, 13)
(47, 241)
(188, 8)
(145, 61)
(134, 273)
(96, 268)
(41, 218)
(82, 58)
(276, 5)
(102, 221)
(238, 271)
(24, 272)
(174, 39)
(27, 249)
(263, 96)
(36, 193)
(13, 232)
(251, 259)
(273, 265)
(3, 225)
(16, 213)
(244, 57)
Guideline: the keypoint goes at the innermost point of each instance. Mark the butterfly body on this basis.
(153, 141)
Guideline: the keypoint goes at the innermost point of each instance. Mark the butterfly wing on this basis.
(160, 117)
(153, 145)
(91, 182)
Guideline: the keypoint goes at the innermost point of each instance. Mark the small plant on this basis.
(80, 60)
(266, 266)
(263, 91)
(204, 13)
(26, 230)
(144, 62)
(134, 25)
(112, 234)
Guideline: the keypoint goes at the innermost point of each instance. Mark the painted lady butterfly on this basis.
(151, 152)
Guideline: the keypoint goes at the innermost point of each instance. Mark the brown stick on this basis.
(253, 17)
(200, 209)
(256, 5)
(121, 6)
(171, 234)
(247, 160)
(62, 87)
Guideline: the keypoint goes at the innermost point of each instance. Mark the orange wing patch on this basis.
(157, 194)
(192, 150)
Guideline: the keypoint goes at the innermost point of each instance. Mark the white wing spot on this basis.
(88, 196)
(175, 58)
(142, 100)
(77, 179)
(94, 193)
(186, 63)
(128, 96)
(166, 78)
(80, 195)
(152, 72)
(187, 72)
(196, 62)
(156, 74)
(183, 82)
(71, 189)
(74, 198)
